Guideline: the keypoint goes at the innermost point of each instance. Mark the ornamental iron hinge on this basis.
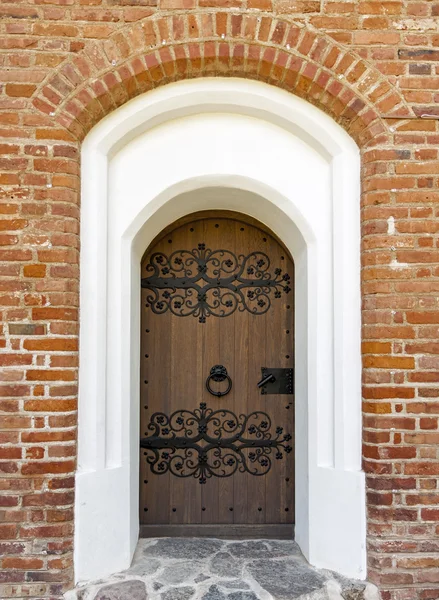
(203, 282)
(205, 443)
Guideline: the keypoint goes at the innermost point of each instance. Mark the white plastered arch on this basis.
(245, 146)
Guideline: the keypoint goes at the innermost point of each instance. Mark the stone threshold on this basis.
(216, 569)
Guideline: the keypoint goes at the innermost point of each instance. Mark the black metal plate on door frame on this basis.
(283, 383)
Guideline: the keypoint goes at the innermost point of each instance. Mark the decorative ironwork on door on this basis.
(203, 282)
(219, 373)
(204, 443)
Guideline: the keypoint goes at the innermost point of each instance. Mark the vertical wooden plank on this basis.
(144, 374)
(290, 427)
(155, 361)
(275, 358)
(196, 230)
(241, 382)
(179, 380)
(226, 236)
(211, 335)
(256, 401)
(185, 494)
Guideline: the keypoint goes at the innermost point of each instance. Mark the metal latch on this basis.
(276, 381)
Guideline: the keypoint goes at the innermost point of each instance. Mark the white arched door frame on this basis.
(174, 151)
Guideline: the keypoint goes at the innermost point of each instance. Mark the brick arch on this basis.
(155, 51)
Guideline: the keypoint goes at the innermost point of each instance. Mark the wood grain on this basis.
(177, 354)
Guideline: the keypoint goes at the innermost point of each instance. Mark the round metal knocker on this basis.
(218, 373)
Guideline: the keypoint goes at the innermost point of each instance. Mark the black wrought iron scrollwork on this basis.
(218, 373)
(206, 443)
(203, 282)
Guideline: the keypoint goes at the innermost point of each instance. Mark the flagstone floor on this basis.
(213, 569)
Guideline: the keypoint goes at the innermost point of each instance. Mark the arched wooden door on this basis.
(217, 312)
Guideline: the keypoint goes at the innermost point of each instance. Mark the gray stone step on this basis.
(212, 569)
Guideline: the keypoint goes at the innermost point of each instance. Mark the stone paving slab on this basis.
(211, 569)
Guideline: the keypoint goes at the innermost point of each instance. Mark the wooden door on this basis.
(216, 297)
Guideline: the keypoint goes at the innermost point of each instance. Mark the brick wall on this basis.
(373, 66)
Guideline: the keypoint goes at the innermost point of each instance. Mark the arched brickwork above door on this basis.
(155, 51)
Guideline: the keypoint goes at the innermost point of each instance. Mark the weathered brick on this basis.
(27, 329)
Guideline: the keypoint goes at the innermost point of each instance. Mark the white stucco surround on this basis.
(244, 146)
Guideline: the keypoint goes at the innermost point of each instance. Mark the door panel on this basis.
(183, 482)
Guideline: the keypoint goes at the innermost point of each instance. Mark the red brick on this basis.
(20, 90)
(422, 317)
(22, 563)
(50, 405)
(388, 392)
(48, 436)
(50, 375)
(377, 407)
(422, 468)
(53, 314)
(388, 362)
(37, 270)
(8, 531)
(376, 347)
(39, 468)
(45, 531)
(51, 344)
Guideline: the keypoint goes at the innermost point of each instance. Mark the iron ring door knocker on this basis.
(218, 373)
